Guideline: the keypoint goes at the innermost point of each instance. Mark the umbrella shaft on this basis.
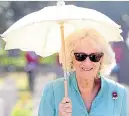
(63, 45)
(64, 56)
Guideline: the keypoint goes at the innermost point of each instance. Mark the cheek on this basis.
(76, 64)
(96, 66)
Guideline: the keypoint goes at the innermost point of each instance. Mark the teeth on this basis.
(86, 69)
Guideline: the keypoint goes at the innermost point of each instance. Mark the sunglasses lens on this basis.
(80, 56)
(95, 57)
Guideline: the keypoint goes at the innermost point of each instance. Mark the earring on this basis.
(99, 74)
(99, 70)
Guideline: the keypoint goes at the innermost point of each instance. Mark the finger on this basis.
(66, 114)
(63, 107)
(67, 105)
(67, 110)
(66, 100)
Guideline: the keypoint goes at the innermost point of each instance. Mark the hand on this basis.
(65, 107)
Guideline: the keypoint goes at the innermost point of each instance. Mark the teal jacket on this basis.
(105, 103)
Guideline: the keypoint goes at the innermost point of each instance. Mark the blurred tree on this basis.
(4, 7)
(23, 106)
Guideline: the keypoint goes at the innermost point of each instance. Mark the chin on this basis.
(86, 75)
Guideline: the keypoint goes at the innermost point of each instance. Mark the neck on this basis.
(86, 85)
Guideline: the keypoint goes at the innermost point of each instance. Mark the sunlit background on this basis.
(24, 74)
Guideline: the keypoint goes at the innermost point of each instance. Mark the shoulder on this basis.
(51, 89)
(114, 86)
(113, 83)
(54, 90)
(121, 92)
(54, 84)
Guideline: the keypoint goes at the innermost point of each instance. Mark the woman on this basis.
(89, 58)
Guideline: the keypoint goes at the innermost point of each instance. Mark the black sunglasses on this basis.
(94, 57)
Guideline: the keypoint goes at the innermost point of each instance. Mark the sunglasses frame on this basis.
(97, 55)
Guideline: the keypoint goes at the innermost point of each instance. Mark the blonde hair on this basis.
(108, 61)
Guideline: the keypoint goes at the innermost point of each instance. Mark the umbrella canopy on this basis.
(40, 31)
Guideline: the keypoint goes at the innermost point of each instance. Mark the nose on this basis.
(87, 61)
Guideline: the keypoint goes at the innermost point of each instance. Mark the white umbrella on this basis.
(42, 31)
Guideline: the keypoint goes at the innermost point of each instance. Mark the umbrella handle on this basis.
(66, 88)
(64, 56)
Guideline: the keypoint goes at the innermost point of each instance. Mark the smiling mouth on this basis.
(87, 69)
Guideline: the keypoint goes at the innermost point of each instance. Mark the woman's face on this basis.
(87, 67)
